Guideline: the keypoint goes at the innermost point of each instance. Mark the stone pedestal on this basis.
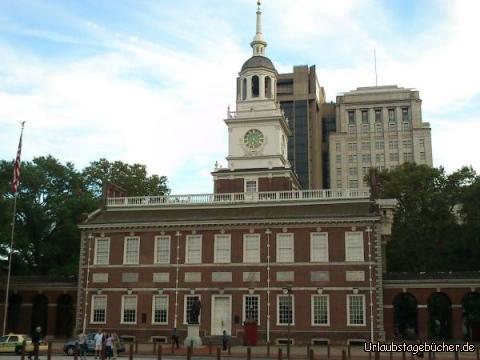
(193, 336)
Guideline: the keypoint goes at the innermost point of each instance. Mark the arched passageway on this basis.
(405, 319)
(39, 313)
(14, 313)
(65, 316)
(439, 316)
(471, 316)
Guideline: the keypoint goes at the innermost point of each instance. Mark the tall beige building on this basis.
(378, 127)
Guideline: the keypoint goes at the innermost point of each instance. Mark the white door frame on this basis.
(229, 297)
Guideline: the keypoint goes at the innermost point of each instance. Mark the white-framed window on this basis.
(194, 249)
(250, 186)
(379, 145)
(285, 247)
(353, 184)
(320, 310)
(354, 246)
(352, 171)
(187, 306)
(285, 309)
(318, 246)
(365, 145)
(131, 249)
(421, 143)
(162, 249)
(251, 248)
(251, 308)
(391, 116)
(407, 156)
(222, 247)
(394, 157)
(160, 309)
(393, 144)
(102, 251)
(129, 309)
(355, 310)
(99, 309)
(379, 158)
(366, 158)
(352, 146)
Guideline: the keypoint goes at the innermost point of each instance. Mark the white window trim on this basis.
(187, 258)
(243, 307)
(123, 308)
(328, 309)
(278, 309)
(215, 260)
(92, 308)
(157, 238)
(348, 256)
(95, 259)
(248, 180)
(312, 234)
(292, 258)
(153, 309)
(125, 250)
(255, 261)
(364, 310)
(185, 307)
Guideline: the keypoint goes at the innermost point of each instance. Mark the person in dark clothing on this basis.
(224, 341)
(175, 338)
(36, 336)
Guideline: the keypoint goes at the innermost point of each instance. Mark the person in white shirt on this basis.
(98, 344)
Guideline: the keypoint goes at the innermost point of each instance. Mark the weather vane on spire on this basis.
(258, 4)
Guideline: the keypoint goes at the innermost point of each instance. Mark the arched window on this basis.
(255, 86)
(244, 89)
(439, 316)
(268, 87)
(405, 321)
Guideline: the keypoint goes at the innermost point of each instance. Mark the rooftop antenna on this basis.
(375, 59)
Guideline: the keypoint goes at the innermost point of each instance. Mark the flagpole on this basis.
(10, 252)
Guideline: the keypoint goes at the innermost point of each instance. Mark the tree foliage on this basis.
(434, 223)
(53, 198)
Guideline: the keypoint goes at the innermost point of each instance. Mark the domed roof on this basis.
(258, 61)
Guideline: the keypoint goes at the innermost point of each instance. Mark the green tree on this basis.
(426, 235)
(133, 178)
(51, 202)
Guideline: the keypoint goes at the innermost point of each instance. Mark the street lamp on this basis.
(288, 291)
(90, 237)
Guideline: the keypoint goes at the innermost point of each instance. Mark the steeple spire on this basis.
(259, 44)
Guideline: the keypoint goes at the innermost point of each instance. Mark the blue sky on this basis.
(150, 81)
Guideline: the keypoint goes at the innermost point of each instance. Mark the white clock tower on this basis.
(257, 130)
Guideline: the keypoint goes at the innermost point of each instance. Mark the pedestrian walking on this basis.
(109, 346)
(36, 336)
(115, 346)
(175, 338)
(225, 340)
(98, 341)
(82, 345)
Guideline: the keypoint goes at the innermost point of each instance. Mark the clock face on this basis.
(253, 139)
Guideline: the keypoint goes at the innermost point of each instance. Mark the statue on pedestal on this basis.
(194, 313)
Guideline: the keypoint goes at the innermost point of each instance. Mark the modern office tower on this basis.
(300, 96)
(376, 127)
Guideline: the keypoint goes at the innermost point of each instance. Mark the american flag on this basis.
(16, 168)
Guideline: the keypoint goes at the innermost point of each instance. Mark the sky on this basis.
(149, 81)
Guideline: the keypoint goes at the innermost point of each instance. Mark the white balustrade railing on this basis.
(235, 198)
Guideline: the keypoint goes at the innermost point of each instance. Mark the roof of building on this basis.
(258, 61)
(341, 210)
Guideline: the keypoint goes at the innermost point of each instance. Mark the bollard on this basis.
(344, 355)
(348, 351)
(136, 346)
(249, 353)
(268, 350)
(49, 350)
(403, 355)
(311, 355)
(434, 356)
(476, 351)
(229, 348)
(159, 354)
(130, 352)
(173, 347)
(429, 355)
(189, 353)
(308, 350)
(369, 355)
(391, 355)
(219, 353)
(377, 355)
(328, 351)
(154, 346)
(209, 348)
(279, 354)
(456, 355)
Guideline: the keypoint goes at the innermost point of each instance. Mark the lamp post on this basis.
(90, 237)
(288, 291)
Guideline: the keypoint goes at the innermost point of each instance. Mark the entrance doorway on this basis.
(221, 314)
